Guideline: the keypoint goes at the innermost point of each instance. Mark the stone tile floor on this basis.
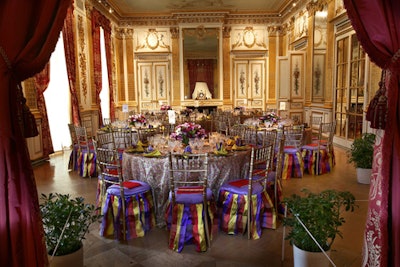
(232, 251)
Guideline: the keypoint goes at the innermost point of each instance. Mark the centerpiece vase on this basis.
(185, 140)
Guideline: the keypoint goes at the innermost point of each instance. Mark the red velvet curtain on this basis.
(201, 70)
(107, 41)
(29, 33)
(99, 20)
(42, 80)
(377, 24)
(69, 50)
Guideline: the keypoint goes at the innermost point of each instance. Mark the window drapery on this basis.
(377, 25)
(42, 80)
(201, 70)
(99, 20)
(29, 33)
(107, 43)
(69, 49)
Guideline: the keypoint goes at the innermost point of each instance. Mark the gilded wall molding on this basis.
(226, 31)
(248, 38)
(153, 41)
(274, 30)
(82, 57)
(123, 33)
(174, 32)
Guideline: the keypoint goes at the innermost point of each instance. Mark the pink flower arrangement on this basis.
(165, 107)
(136, 118)
(188, 130)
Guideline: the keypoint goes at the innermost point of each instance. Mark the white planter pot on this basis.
(74, 259)
(363, 175)
(304, 258)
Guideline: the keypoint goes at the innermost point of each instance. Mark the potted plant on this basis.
(361, 155)
(320, 213)
(66, 220)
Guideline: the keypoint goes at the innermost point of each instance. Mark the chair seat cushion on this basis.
(313, 147)
(142, 187)
(290, 150)
(234, 187)
(190, 197)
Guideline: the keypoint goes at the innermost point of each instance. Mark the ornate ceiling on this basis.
(135, 11)
(129, 8)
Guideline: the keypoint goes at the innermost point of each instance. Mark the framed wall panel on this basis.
(318, 76)
(297, 75)
(283, 79)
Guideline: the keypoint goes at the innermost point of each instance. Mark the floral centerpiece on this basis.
(188, 130)
(165, 107)
(137, 119)
(270, 118)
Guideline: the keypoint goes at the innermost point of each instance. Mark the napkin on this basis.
(230, 142)
(153, 153)
(220, 150)
(130, 184)
(137, 148)
(236, 147)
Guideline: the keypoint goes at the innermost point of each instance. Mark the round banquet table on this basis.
(155, 171)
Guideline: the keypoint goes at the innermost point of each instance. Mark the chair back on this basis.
(261, 161)
(87, 123)
(237, 130)
(190, 171)
(82, 138)
(72, 134)
(105, 140)
(294, 135)
(266, 137)
(250, 136)
(326, 134)
(122, 138)
(109, 165)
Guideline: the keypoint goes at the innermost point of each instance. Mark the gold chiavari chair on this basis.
(245, 203)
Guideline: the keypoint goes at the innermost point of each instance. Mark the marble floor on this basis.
(232, 251)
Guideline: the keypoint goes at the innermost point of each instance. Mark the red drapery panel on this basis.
(377, 24)
(42, 80)
(98, 20)
(69, 50)
(107, 41)
(37, 24)
(201, 70)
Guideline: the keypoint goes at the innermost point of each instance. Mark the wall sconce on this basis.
(201, 91)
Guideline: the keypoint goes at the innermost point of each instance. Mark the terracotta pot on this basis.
(304, 258)
(363, 175)
(74, 259)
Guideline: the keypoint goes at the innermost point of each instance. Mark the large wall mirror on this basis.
(319, 53)
(201, 75)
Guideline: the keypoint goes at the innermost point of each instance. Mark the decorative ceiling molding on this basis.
(228, 16)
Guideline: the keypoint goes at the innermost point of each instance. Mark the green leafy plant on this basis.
(320, 213)
(362, 151)
(66, 220)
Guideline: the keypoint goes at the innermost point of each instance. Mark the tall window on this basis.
(105, 91)
(349, 87)
(57, 97)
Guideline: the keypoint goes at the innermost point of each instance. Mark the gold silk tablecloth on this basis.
(155, 171)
